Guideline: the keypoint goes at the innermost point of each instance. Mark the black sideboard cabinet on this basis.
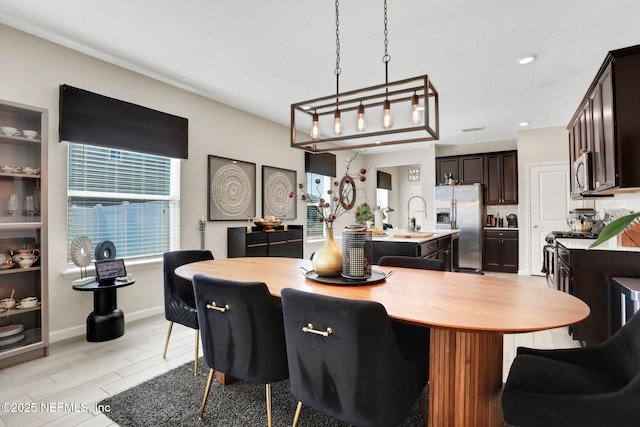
(277, 243)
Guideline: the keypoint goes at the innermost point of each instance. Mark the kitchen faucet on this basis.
(411, 225)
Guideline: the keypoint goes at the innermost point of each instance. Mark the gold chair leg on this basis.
(296, 417)
(166, 344)
(423, 410)
(268, 389)
(206, 394)
(195, 364)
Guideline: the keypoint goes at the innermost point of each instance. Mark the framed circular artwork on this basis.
(231, 189)
(277, 184)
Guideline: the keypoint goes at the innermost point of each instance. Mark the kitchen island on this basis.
(586, 273)
(441, 244)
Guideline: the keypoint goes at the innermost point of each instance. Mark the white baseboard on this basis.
(81, 330)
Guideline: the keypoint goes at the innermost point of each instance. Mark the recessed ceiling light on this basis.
(527, 59)
(523, 124)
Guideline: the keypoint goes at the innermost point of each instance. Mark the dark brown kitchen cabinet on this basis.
(497, 171)
(468, 169)
(501, 178)
(500, 251)
(605, 125)
(471, 169)
(257, 243)
(446, 166)
(587, 274)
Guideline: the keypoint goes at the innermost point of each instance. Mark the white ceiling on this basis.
(260, 56)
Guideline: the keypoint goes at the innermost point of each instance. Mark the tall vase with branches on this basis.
(339, 199)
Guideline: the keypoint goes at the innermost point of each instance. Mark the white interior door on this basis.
(549, 205)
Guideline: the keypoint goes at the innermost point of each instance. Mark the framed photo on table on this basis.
(231, 188)
(277, 184)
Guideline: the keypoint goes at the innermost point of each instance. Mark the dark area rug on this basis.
(174, 398)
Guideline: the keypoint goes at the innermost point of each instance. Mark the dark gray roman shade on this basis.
(93, 119)
(384, 180)
(320, 163)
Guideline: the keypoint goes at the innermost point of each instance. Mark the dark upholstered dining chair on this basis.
(412, 262)
(346, 362)
(179, 301)
(595, 386)
(242, 333)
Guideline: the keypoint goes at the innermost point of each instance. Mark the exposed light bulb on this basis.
(315, 129)
(337, 125)
(387, 120)
(360, 123)
(416, 115)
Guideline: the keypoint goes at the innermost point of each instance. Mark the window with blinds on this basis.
(315, 226)
(128, 198)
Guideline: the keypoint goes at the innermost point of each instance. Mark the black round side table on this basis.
(106, 322)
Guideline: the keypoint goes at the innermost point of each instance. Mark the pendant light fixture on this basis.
(387, 120)
(337, 124)
(410, 111)
(315, 128)
(361, 124)
(416, 115)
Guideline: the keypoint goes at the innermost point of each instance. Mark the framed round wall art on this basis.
(277, 184)
(231, 188)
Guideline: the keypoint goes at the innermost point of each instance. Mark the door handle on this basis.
(535, 226)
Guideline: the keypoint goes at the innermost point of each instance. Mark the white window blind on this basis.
(128, 198)
(315, 227)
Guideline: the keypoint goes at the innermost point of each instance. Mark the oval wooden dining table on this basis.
(468, 315)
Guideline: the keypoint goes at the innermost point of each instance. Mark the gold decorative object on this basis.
(268, 225)
(327, 261)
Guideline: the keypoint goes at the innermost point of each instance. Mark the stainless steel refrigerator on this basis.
(460, 207)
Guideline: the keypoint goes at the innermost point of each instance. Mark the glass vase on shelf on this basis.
(327, 260)
(14, 205)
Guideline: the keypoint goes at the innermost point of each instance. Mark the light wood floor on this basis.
(82, 373)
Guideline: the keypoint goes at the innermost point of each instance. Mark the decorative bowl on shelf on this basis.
(31, 134)
(29, 170)
(10, 131)
(10, 169)
(7, 303)
(267, 225)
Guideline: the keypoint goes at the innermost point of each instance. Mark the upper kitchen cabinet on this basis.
(498, 172)
(468, 169)
(501, 180)
(604, 133)
(471, 169)
(23, 233)
(445, 167)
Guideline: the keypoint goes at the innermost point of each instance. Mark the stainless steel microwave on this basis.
(582, 173)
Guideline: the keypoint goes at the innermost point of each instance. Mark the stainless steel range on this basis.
(550, 255)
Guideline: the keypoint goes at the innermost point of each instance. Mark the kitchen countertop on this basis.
(610, 245)
(501, 228)
(390, 237)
